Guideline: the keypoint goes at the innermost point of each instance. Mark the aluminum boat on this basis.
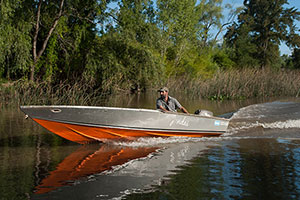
(84, 124)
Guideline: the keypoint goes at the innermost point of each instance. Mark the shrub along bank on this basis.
(230, 84)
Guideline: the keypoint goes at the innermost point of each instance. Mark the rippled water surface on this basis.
(258, 158)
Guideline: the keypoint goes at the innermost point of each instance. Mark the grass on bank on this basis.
(243, 84)
(231, 84)
(27, 93)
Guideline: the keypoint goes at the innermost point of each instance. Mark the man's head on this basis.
(163, 92)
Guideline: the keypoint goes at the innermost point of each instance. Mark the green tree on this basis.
(210, 15)
(244, 51)
(177, 21)
(186, 39)
(14, 40)
(70, 23)
(296, 58)
(47, 38)
(37, 53)
(261, 26)
(125, 55)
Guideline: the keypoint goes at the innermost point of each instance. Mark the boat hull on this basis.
(84, 124)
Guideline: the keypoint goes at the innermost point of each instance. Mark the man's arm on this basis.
(184, 110)
(178, 105)
(160, 106)
(163, 109)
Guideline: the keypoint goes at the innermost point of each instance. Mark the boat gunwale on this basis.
(118, 108)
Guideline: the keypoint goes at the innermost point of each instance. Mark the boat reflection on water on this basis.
(89, 160)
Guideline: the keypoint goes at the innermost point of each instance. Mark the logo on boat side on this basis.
(217, 123)
(221, 123)
(182, 122)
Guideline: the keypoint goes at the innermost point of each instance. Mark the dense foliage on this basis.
(261, 27)
(114, 45)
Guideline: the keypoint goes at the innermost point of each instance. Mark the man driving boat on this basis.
(167, 103)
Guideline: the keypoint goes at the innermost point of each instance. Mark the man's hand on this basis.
(163, 109)
(184, 110)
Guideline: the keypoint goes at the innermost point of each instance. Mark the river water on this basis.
(257, 158)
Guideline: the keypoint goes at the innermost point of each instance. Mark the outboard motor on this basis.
(203, 113)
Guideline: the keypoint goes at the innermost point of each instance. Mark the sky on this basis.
(292, 3)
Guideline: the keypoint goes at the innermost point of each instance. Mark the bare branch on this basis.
(37, 27)
(79, 17)
(51, 29)
(220, 30)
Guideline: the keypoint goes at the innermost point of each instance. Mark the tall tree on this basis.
(267, 24)
(38, 53)
(296, 58)
(135, 21)
(177, 21)
(71, 16)
(14, 40)
(210, 15)
(125, 56)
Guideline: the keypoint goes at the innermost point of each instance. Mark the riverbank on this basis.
(243, 84)
(223, 85)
